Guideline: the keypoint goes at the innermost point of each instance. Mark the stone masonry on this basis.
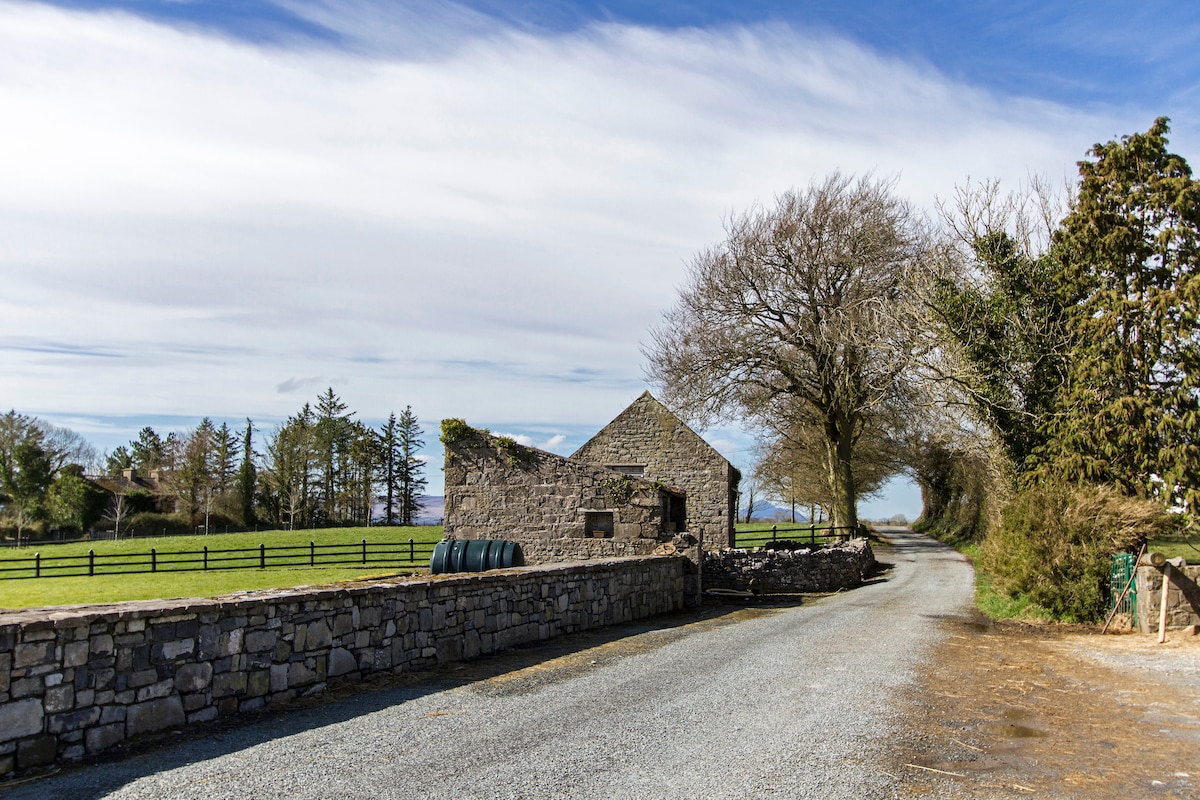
(827, 569)
(74, 681)
(1183, 597)
(647, 436)
(556, 508)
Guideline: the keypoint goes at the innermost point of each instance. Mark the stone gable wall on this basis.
(827, 569)
(76, 681)
(648, 434)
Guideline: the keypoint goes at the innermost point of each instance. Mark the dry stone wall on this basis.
(1183, 597)
(76, 681)
(827, 569)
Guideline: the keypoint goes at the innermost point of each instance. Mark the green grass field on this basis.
(34, 592)
(1177, 545)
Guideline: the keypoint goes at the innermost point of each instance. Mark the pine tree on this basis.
(332, 437)
(390, 454)
(411, 468)
(246, 477)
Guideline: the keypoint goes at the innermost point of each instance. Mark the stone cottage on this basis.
(645, 483)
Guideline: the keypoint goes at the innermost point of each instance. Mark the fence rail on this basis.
(805, 533)
(364, 553)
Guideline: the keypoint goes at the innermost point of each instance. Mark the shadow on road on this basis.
(147, 755)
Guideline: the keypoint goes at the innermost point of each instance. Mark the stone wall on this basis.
(828, 569)
(497, 489)
(75, 681)
(649, 436)
(1183, 597)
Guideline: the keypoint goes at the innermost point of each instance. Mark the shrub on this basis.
(1054, 545)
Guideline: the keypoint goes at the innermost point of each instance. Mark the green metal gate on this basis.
(1124, 565)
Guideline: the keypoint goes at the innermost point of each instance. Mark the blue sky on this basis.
(478, 209)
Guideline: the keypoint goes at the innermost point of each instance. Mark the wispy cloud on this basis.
(475, 218)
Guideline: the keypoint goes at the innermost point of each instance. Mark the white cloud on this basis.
(478, 222)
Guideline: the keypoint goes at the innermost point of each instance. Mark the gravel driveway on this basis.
(786, 701)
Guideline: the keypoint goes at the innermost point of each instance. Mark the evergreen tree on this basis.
(1129, 248)
(246, 477)
(391, 457)
(411, 468)
(118, 461)
(332, 436)
(148, 451)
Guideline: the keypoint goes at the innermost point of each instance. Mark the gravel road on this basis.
(787, 701)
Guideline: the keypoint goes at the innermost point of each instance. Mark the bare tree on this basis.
(799, 319)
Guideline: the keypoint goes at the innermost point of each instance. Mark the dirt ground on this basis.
(1023, 711)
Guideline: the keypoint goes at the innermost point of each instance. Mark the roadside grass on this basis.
(36, 592)
(993, 604)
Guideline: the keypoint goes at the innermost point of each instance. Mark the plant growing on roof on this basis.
(514, 452)
(619, 489)
(457, 430)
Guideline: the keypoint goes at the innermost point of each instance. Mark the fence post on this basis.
(262, 556)
(812, 533)
(364, 551)
(205, 558)
(774, 538)
(37, 565)
(312, 553)
(153, 560)
(91, 563)
(412, 551)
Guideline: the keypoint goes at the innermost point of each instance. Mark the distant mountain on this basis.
(433, 509)
(766, 512)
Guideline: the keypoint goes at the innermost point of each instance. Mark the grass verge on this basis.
(991, 603)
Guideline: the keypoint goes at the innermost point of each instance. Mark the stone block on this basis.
(230, 642)
(25, 687)
(228, 683)
(75, 654)
(37, 752)
(21, 718)
(59, 699)
(103, 737)
(260, 641)
(29, 654)
(156, 690)
(154, 715)
(341, 661)
(300, 675)
(279, 677)
(193, 677)
(62, 723)
(179, 647)
(142, 678)
(102, 644)
(258, 683)
(110, 714)
(318, 636)
(203, 715)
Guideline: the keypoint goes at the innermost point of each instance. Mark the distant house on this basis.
(152, 493)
